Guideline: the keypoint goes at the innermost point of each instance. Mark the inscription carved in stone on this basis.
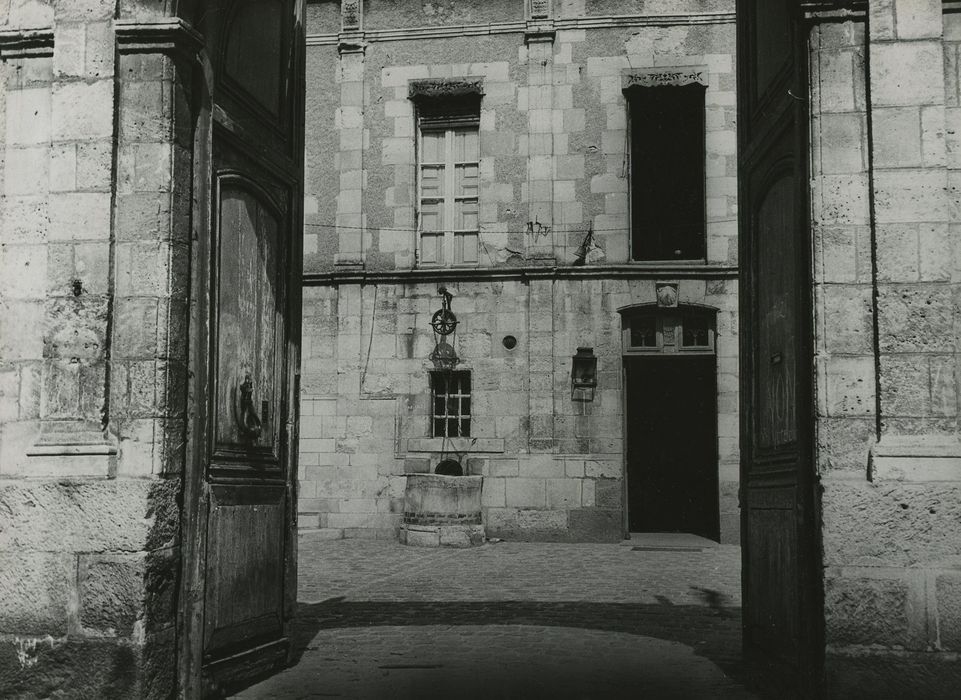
(665, 76)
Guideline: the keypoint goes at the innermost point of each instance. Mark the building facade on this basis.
(567, 174)
(108, 123)
(885, 168)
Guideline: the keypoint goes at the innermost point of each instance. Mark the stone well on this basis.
(442, 511)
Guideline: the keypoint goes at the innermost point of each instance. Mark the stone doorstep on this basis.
(442, 535)
(918, 458)
(668, 541)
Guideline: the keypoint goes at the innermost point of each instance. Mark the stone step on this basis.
(320, 533)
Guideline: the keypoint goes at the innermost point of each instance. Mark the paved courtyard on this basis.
(514, 620)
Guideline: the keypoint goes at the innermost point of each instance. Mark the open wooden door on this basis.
(779, 502)
(240, 573)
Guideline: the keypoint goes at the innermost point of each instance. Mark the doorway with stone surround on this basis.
(670, 413)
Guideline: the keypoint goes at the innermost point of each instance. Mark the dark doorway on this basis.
(672, 444)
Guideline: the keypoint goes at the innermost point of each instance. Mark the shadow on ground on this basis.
(711, 630)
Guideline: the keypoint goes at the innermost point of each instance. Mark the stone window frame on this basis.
(451, 106)
(639, 86)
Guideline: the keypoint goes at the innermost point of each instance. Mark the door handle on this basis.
(250, 425)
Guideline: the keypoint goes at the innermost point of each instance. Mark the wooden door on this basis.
(782, 615)
(241, 565)
(672, 475)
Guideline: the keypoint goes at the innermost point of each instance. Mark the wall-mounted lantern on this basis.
(583, 375)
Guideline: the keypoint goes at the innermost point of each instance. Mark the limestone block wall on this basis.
(554, 137)
(553, 127)
(884, 100)
(94, 224)
(553, 467)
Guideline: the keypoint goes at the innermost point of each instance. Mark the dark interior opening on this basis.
(672, 478)
(449, 467)
(667, 172)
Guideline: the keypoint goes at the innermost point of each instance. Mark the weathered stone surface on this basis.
(903, 73)
(81, 516)
(866, 611)
(596, 525)
(35, 588)
(111, 592)
(161, 582)
(948, 593)
(866, 674)
(70, 667)
(890, 524)
(608, 493)
(843, 444)
(916, 318)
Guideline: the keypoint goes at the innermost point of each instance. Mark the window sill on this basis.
(460, 445)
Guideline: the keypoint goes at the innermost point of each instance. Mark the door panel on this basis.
(240, 573)
(777, 309)
(672, 444)
(250, 322)
(245, 572)
(781, 588)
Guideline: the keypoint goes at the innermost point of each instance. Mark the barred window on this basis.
(450, 400)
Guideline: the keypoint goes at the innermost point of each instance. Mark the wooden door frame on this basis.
(788, 102)
(193, 537)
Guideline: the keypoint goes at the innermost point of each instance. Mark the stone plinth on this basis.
(442, 511)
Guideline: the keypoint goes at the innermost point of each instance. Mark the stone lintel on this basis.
(168, 36)
(458, 445)
(445, 88)
(26, 43)
(632, 78)
(916, 458)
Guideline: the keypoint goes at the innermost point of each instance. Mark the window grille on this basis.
(451, 404)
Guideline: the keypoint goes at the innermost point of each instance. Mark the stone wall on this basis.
(885, 220)
(553, 467)
(94, 262)
(553, 166)
(553, 138)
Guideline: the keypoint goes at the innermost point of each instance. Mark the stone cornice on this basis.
(625, 271)
(169, 36)
(24, 43)
(521, 27)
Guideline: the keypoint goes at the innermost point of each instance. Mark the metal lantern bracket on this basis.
(583, 375)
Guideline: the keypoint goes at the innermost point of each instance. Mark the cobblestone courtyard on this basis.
(513, 620)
